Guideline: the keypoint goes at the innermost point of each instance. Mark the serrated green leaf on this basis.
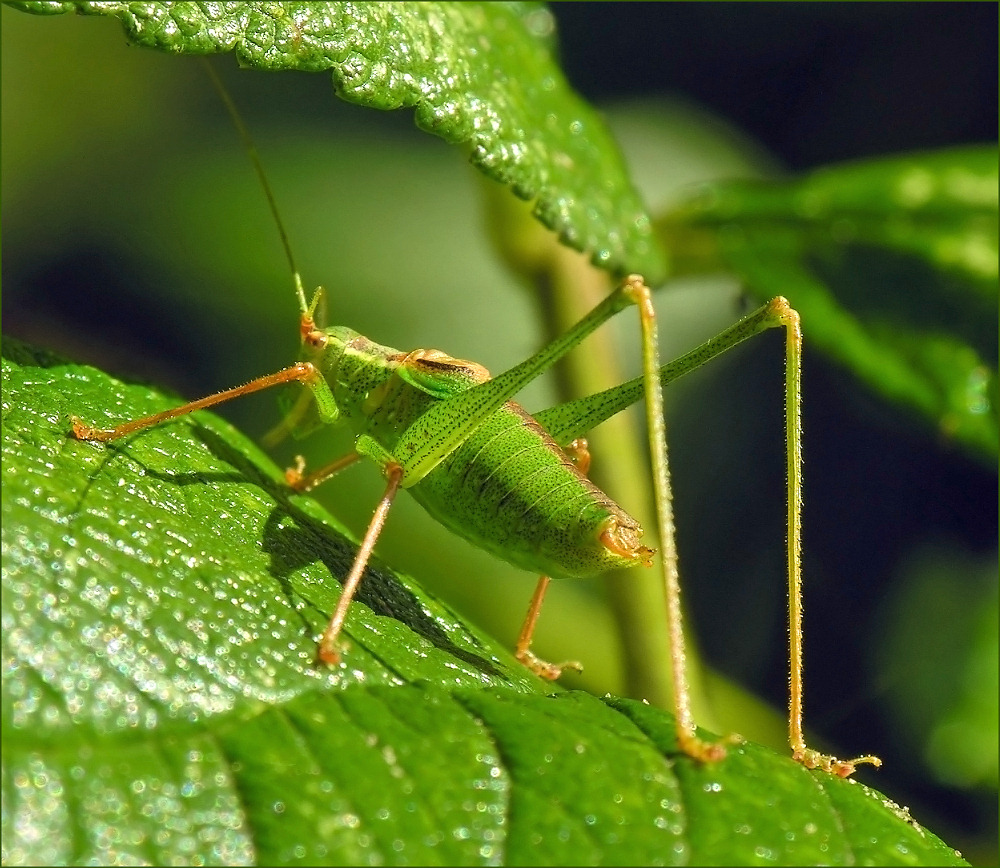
(161, 595)
(892, 264)
(781, 810)
(481, 75)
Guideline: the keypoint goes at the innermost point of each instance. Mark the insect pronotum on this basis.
(511, 483)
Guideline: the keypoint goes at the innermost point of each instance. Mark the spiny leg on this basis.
(523, 652)
(328, 652)
(783, 314)
(303, 372)
(570, 419)
(579, 454)
(686, 738)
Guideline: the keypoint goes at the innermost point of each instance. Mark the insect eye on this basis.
(316, 339)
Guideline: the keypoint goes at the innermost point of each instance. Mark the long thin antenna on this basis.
(251, 150)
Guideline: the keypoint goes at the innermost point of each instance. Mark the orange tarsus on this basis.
(523, 652)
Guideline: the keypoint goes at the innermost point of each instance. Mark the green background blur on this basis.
(136, 238)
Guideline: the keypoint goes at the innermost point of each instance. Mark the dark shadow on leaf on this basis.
(293, 539)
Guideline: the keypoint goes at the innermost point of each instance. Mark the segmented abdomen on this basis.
(510, 490)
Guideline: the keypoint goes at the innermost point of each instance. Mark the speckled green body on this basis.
(508, 489)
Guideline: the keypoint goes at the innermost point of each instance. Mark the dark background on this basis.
(816, 83)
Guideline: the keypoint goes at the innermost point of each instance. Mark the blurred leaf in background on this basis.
(135, 236)
(931, 218)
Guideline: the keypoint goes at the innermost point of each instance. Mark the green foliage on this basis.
(942, 658)
(480, 75)
(843, 242)
(897, 287)
(160, 600)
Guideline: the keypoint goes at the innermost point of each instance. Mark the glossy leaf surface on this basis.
(161, 595)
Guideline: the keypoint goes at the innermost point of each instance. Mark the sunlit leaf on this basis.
(161, 597)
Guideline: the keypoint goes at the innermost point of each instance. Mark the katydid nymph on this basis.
(509, 482)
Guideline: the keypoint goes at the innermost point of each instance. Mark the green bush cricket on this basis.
(511, 483)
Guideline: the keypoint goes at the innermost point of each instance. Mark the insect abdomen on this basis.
(511, 490)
